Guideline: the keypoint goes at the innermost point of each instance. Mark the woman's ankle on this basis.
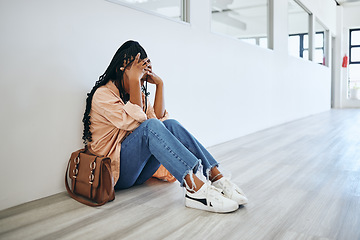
(217, 177)
(193, 183)
(215, 174)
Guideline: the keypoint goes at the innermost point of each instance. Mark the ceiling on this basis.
(342, 2)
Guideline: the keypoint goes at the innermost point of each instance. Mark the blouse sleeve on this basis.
(123, 116)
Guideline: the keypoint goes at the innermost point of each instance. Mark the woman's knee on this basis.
(170, 123)
(153, 123)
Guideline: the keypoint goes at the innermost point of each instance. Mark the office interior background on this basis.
(230, 68)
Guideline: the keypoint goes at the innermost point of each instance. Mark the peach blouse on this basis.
(112, 121)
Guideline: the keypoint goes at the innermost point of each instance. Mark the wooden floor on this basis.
(302, 180)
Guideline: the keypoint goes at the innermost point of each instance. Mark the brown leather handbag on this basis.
(91, 178)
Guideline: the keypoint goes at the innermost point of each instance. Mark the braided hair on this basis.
(123, 57)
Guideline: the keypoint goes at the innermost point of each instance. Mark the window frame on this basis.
(353, 46)
(301, 44)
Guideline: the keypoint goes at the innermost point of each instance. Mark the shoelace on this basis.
(214, 188)
(210, 193)
(230, 186)
(227, 185)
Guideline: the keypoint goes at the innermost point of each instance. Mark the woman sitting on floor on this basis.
(120, 123)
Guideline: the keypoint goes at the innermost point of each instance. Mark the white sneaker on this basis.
(210, 199)
(231, 190)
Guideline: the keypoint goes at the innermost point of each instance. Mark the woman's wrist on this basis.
(160, 84)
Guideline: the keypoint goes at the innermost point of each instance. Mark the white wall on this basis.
(220, 88)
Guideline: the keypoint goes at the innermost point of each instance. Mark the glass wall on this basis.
(298, 27)
(320, 43)
(174, 9)
(242, 19)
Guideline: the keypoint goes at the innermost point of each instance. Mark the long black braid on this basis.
(122, 58)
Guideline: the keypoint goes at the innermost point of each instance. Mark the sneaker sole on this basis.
(242, 202)
(197, 205)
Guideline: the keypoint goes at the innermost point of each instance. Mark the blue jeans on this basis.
(154, 143)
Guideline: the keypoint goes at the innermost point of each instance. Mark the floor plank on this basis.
(302, 179)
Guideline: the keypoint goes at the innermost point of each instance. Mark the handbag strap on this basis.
(83, 200)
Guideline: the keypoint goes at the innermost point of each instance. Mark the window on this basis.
(173, 9)
(320, 43)
(354, 64)
(299, 31)
(299, 46)
(354, 46)
(319, 55)
(260, 41)
(298, 20)
(242, 19)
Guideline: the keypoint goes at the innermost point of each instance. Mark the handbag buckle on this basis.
(92, 165)
(77, 160)
(75, 171)
(91, 178)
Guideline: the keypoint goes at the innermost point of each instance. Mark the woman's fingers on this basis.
(148, 68)
(145, 62)
(141, 66)
(136, 60)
